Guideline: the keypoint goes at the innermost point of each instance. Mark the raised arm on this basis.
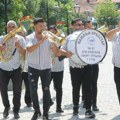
(34, 47)
(59, 52)
(111, 33)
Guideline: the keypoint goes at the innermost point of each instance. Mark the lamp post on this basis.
(47, 13)
(6, 14)
(67, 21)
(57, 10)
(48, 10)
(77, 10)
(87, 13)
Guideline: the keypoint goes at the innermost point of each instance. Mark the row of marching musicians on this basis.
(39, 60)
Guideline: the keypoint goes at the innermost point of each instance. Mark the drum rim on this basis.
(105, 44)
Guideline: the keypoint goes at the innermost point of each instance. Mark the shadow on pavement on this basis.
(56, 116)
(79, 118)
(26, 109)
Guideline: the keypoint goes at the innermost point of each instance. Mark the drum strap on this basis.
(14, 52)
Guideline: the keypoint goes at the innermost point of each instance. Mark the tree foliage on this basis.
(15, 9)
(56, 10)
(106, 13)
(9, 9)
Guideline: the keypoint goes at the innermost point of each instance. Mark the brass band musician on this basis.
(40, 48)
(57, 73)
(10, 69)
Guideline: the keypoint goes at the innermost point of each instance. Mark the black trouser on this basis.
(27, 88)
(58, 80)
(45, 76)
(78, 75)
(16, 78)
(94, 77)
(117, 81)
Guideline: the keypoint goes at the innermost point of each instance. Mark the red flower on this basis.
(26, 18)
(30, 17)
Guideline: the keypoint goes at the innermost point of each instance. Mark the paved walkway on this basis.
(107, 97)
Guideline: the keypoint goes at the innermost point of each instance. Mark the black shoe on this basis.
(36, 115)
(89, 114)
(59, 110)
(6, 112)
(95, 108)
(16, 116)
(75, 112)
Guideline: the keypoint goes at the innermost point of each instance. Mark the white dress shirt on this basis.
(116, 50)
(40, 58)
(15, 62)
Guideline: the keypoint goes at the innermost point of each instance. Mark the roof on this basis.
(115, 1)
(84, 5)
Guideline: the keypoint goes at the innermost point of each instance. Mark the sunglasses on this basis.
(78, 24)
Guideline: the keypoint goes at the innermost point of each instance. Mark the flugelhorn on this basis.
(6, 55)
(13, 33)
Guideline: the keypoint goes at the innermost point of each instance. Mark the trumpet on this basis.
(104, 29)
(55, 38)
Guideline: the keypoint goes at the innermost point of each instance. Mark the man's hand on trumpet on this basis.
(68, 54)
(59, 52)
(2, 47)
(44, 38)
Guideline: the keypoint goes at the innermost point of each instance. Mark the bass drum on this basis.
(88, 47)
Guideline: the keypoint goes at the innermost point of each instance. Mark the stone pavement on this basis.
(107, 97)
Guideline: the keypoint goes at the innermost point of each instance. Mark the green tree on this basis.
(106, 13)
(15, 9)
(56, 10)
(30, 7)
(9, 9)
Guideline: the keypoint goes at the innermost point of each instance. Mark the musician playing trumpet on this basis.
(40, 48)
(57, 73)
(11, 52)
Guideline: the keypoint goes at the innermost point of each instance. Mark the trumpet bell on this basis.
(104, 29)
(55, 38)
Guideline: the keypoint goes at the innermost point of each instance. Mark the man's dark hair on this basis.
(37, 20)
(75, 20)
(54, 27)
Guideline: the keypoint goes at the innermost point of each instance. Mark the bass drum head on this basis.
(71, 47)
(91, 46)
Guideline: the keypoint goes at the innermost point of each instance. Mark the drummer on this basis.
(78, 25)
(95, 72)
(79, 73)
